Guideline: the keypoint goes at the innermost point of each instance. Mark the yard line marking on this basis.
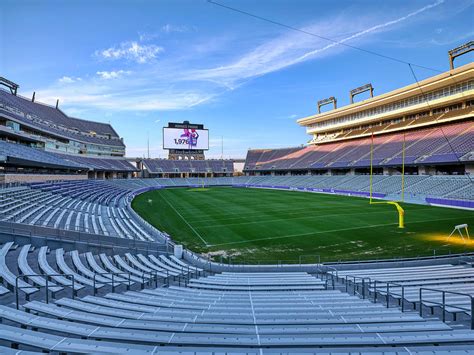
(185, 221)
(242, 215)
(328, 231)
(293, 218)
(304, 234)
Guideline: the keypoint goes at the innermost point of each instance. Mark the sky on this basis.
(141, 64)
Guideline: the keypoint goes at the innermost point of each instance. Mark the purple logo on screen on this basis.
(189, 137)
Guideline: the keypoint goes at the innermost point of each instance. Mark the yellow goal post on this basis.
(400, 210)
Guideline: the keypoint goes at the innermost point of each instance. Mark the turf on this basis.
(253, 225)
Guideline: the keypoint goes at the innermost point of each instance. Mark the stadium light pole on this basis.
(222, 147)
(148, 143)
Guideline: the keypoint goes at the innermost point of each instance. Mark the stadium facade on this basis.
(427, 126)
(39, 142)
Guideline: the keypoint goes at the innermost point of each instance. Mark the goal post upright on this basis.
(403, 169)
(400, 210)
(371, 166)
(401, 213)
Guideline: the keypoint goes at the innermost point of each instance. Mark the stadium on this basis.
(354, 242)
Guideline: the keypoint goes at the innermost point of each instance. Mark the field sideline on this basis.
(272, 225)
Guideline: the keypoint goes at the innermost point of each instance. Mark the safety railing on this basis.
(388, 289)
(48, 285)
(326, 285)
(367, 287)
(147, 278)
(243, 262)
(113, 281)
(443, 303)
(330, 268)
(355, 285)
(68, 236)
(187, 274)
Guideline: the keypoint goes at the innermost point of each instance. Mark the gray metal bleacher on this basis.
(230, 320)
(230, 312)
(448, 286)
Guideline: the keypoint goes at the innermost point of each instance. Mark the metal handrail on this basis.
(355, 284)
(112, 282)
(186, 274)
(326, 287)
(330, 268)
(150, 279)
(443, 302)
(47, 286)
(388, 284)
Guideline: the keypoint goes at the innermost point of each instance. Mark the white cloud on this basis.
(293, 48)
(147, 36)
(168, 28)
(175, 84)
(112, 74)
(68, 80)
(131, 51)
(122, 95)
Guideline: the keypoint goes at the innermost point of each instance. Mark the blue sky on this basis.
(140, 64)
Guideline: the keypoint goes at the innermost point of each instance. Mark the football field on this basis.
(258, 225)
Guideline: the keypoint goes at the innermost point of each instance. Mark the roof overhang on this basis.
(450, 77)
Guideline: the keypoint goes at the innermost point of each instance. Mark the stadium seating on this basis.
(100, 164)
(35, 265)
(455, 187)
(84, 206)
(49, 119)
(50, 142)
(138, 302)
(228, 312)
(404, 284)
(24, 155)
(156, 166)
(442, 144)
(20, 153)
(101, 207)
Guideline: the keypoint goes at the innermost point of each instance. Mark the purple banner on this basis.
(447, 202)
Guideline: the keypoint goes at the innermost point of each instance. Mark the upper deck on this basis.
(426, 99)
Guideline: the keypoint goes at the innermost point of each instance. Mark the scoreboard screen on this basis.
(185, 138)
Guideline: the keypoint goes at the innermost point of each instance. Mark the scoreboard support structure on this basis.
(184, 154)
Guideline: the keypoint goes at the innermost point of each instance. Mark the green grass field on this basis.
(270, 225)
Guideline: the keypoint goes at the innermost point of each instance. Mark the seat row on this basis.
(48, 209)
(186, 319)
(34, 268)
(451, 285)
